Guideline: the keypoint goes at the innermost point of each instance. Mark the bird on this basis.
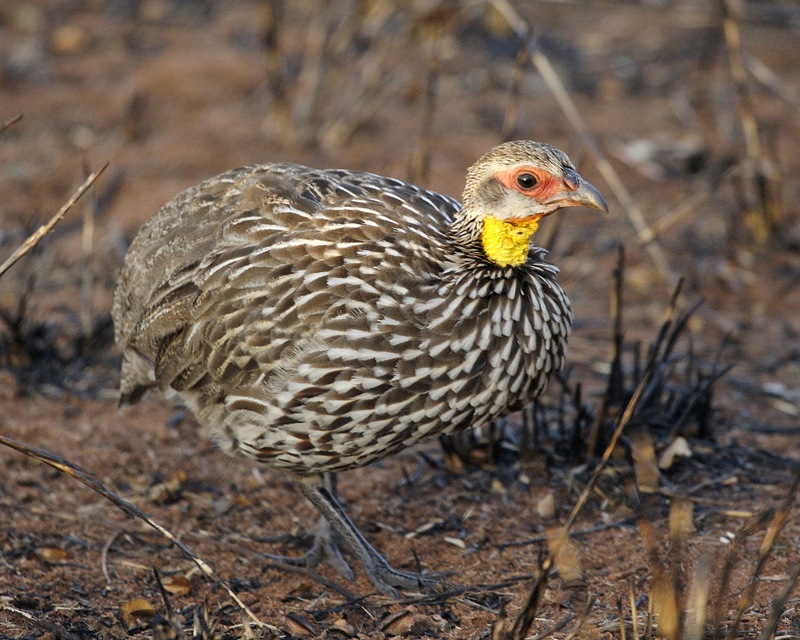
(319, 320)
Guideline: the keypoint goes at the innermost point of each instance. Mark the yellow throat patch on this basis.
(507, 243)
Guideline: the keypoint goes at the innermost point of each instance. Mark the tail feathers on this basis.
(136, 377)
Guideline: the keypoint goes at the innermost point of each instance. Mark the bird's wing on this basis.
(235, 277)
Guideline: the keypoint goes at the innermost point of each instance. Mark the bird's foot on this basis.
(324, 549)
(336, 529)
(387, 580)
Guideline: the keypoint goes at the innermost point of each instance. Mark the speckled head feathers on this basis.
(511, 154)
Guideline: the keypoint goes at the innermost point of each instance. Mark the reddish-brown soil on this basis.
(170, 92)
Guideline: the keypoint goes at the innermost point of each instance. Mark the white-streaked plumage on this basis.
(320, 320)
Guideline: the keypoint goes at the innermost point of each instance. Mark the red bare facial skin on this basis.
(554, 192)
(547, 187)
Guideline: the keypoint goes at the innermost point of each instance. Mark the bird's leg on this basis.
(325, 547)
(321, 493)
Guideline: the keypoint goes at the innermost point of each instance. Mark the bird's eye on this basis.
(526, 181)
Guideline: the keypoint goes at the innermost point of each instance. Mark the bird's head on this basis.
(516, 184)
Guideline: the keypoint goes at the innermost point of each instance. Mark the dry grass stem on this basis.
(280, 119)
(312, 73)
(373, 86)
(511, 114)
(634, 612)
(735, 553)
(698, 599)
(688, 207)
(626, 418)
(778, 605)
(104, 556)
(42, 231)
(522, 623)
(568, 106)
(771, 80)
(762, 181)
(11, 122)
(747, 596)
(420, 161)
(87, 275)
(85, 477)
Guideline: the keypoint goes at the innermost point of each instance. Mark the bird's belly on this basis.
(367, 414)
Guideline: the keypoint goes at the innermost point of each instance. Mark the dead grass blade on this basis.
(522, 623)
(668, 594)
(511, 114)
(10, 123)
(762, 179)
(569, 560)
(634, 612)
(735, 553)
(698, 599)
(280, 121)
(645, 465)
(779, 604)
(565, 556)
(665, 604)
(689, 206)
(68, 468)
(87, 276)
(624, 420)
(775, 526)
(312, 75)
(559, 91)
(431, 30)
(42, 231)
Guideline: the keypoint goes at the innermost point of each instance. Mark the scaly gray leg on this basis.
(325, 547)
(320, 491)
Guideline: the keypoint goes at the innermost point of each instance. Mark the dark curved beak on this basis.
(579, 193)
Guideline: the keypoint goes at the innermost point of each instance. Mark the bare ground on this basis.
(173, 92)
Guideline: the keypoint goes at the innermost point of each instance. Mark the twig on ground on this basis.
(555, 627)
(576, 533)
(310, 573)
(57, 630)
(104, 556)
(42, 231)
(68, 468)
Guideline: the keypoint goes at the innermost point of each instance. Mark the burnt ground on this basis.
(171, 92)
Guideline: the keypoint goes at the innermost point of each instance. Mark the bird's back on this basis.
(266, 204)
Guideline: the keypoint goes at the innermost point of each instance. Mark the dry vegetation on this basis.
(651, 492)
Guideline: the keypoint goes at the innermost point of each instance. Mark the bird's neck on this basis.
(502, 243)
